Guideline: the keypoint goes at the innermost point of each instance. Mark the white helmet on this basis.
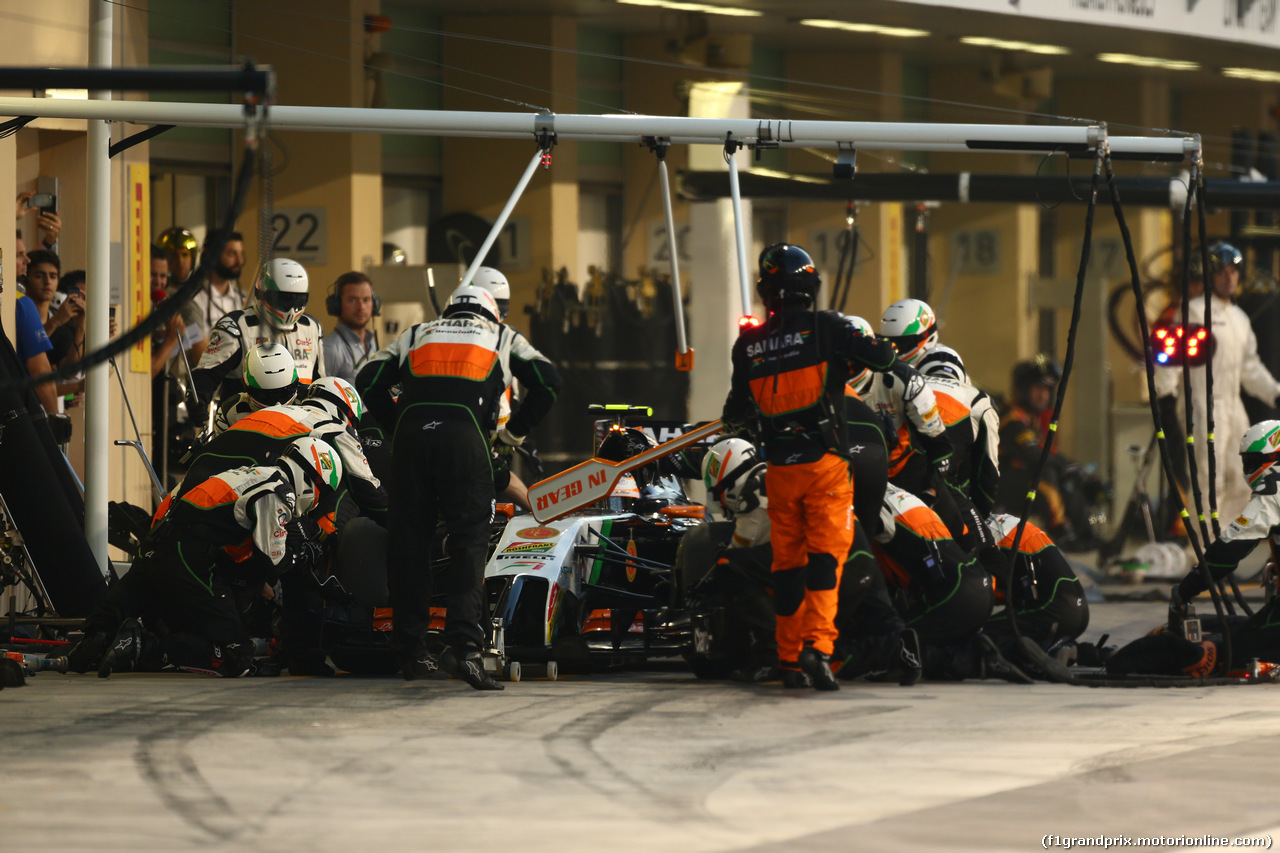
(1260, 450)
(497, 284)
(861, 326)
(282, 292)
(314, 469)
(945, 362)
(338, 397)
(725, 471)
(472, 299)
(911, 327)
(270, 376)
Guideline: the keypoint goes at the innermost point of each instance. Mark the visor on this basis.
(282, 300)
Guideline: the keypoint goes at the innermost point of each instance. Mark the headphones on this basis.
(333, 302)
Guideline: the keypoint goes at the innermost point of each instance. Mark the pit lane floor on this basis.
(628, 761)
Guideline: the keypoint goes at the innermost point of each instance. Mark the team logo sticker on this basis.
(524, 547)
(538, 533)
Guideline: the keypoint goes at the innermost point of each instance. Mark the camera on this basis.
(47, 202)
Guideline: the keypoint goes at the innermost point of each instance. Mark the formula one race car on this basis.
(589, 590)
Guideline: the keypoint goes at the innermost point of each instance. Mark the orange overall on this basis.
(789, 376)
(811, 513)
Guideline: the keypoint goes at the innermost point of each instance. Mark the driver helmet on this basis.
(725, 471)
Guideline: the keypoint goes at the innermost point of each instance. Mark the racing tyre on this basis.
(553, 670)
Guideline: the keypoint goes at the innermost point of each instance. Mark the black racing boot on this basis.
(125, 649)
(818, 667)
(755, 673)
(468, 664)
(87, 653)
(793, 678)
(909, 666)
(420, 666)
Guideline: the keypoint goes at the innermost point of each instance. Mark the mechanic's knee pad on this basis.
(822, 572)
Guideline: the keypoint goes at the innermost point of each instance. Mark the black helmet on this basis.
(1042, 370)
(787, 275)
(1221, 256)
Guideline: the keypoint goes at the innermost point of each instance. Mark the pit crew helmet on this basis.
(1260, 450)
(475, 300)
(313, 468)
(945, 362)
(911, 326)
(338, 397)
(270, 375)
(497, 284)
(1041, 370)
(282, 292)
(1222, 256)
(787, 276)
(726, 473)
(860, 382)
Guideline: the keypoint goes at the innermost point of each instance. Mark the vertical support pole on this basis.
(97, 385)
(730, 149)
(684, 361)
(501, 221)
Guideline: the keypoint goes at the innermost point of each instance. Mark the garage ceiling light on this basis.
(873, 29)
(1149, 61)
(1025, 46)
(705, 8)
(1252, 74)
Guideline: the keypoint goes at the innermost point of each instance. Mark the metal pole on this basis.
(501, 221)
(877, 136)
(678, 300)
(97, 404)
(737, 233)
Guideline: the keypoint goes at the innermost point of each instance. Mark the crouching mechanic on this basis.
(331, 411)
(1051, 607)
(788, 378)
(1258, 636)
(452, 373)
(944, 593)
(212, 551)
(270, 378)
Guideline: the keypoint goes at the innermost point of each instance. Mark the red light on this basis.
(1161, 333)
(748, 322)
(1178, 331)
